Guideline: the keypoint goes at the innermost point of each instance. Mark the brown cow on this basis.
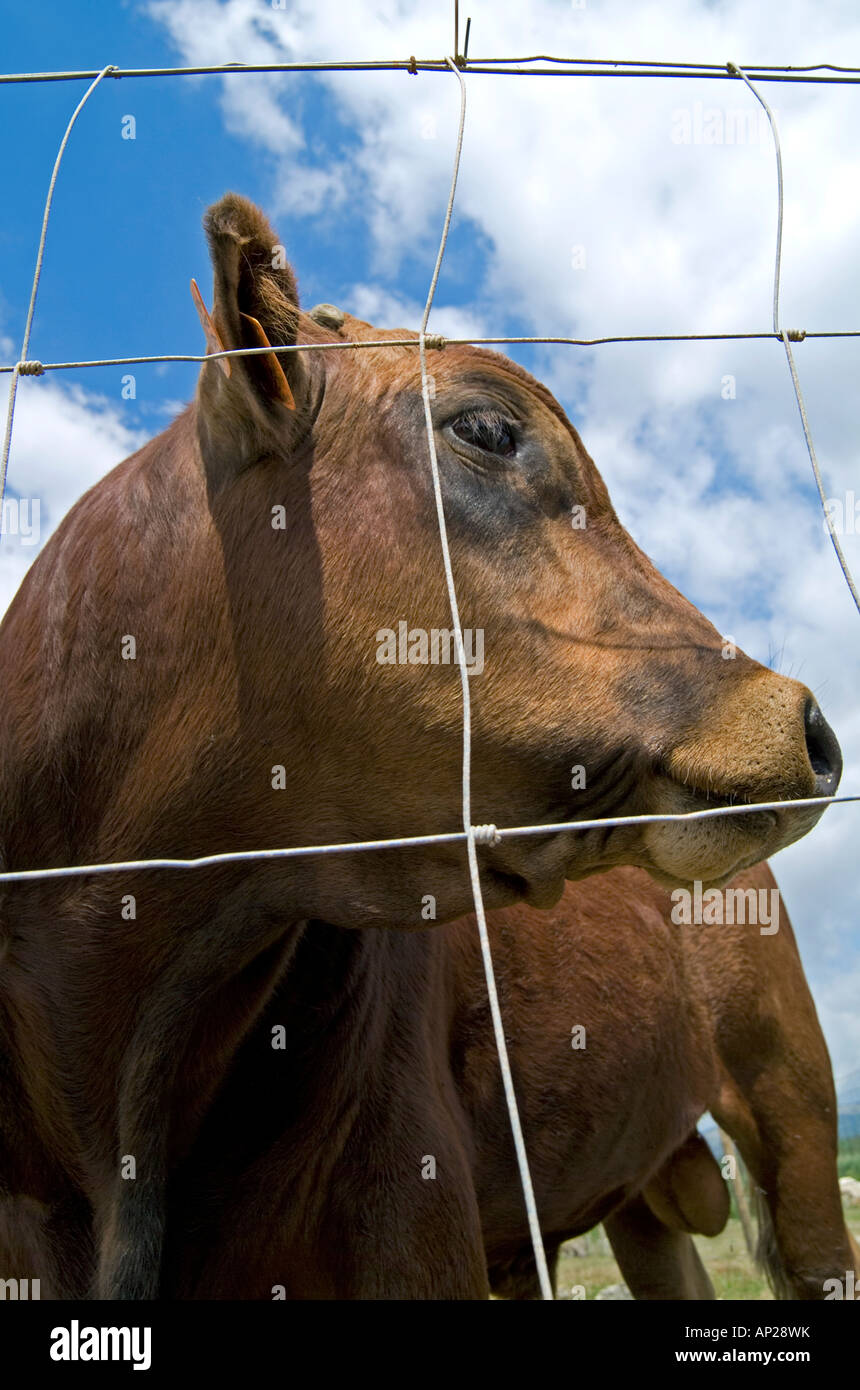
(678, 1019)
(712, 1016)
(183, 673)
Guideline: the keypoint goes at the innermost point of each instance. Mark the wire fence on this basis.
(471, 836)
(828, 73)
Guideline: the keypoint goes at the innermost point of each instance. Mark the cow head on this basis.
(601, 690)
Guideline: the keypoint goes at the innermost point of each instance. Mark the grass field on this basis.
(732, 1272)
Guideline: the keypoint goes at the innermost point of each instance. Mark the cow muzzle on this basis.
(770, 743)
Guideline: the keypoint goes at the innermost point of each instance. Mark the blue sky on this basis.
(125, 231)
(353, 170)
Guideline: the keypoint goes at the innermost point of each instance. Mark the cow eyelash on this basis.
(486, 430)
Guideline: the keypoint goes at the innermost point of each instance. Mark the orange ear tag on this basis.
(279, 380)
(213, 340)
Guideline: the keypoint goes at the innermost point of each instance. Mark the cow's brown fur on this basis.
(256, 649)
(678, 1019)
(389, 1055)
(738, 1002)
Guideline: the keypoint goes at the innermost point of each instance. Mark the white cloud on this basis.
(386, 310)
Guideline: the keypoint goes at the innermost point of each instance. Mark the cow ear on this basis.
(248, 407)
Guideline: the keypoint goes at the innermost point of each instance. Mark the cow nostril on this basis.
(823, 751)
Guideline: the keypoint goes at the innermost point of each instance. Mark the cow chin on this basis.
(713, 851)
(710, 851)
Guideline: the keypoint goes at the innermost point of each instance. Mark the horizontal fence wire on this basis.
(484, 835)
(829, 73)
(433, 341)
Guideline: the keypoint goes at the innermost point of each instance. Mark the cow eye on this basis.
(486, 430)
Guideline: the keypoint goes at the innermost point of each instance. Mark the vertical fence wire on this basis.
(795, 381)
(31, 309)
(474, 873)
